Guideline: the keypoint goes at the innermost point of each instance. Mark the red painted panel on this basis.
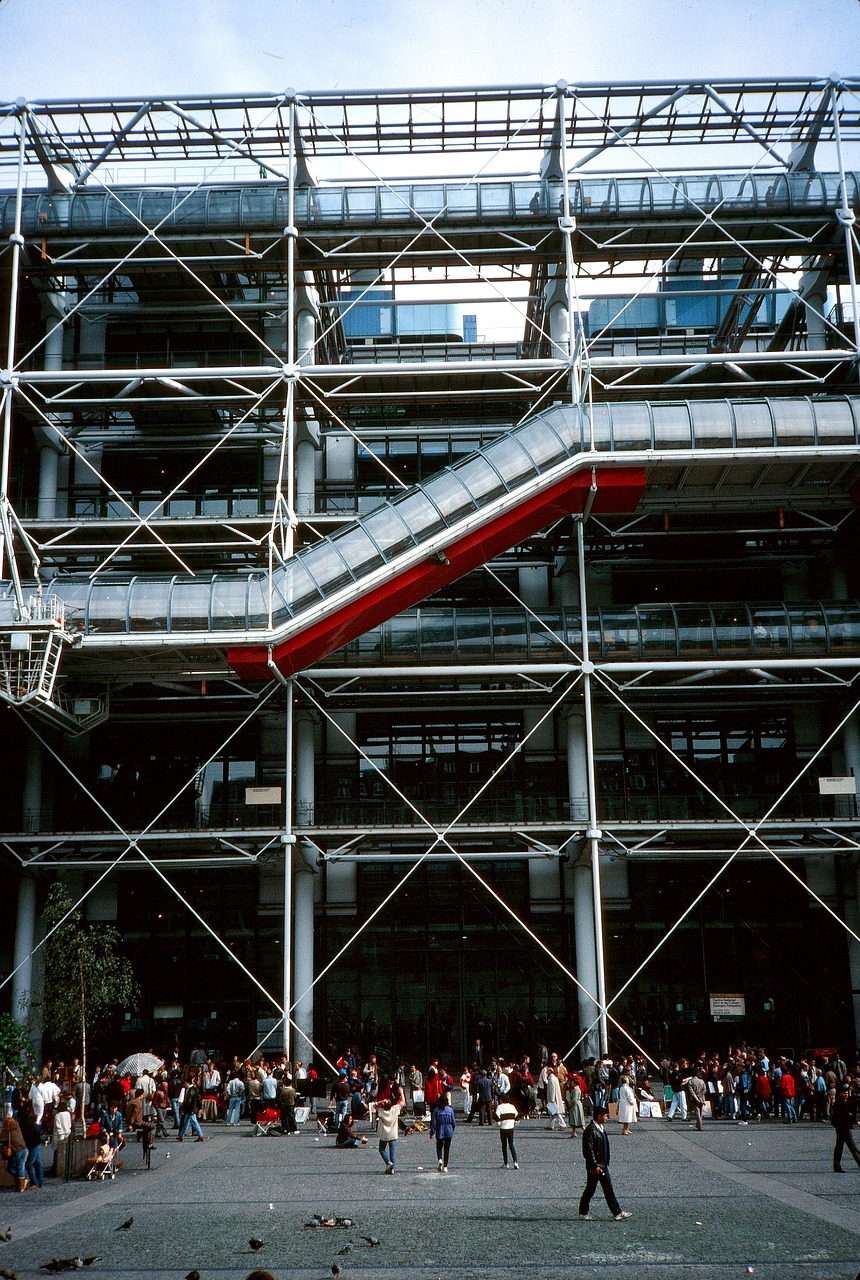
(618, 490)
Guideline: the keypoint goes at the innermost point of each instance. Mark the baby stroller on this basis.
(103, 1165)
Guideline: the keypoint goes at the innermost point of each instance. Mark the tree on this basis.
(16, 1051)
(86, 977)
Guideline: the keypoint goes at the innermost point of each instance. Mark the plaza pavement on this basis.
(731, 1201)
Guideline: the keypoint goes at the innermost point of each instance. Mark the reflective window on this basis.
(189, 606)
(361, 202)
(482, 481)
(671, 426)
(695, 631)
(712, 424)
(149, 604)
(511, 460)
(228, 604)
(107, 607)
(389, 531)
(450, 496)
(753, 423)
(419, 515)
(794, 422)
(769, 629)
(326, 567)
(631, 426)
(835, 422)
(298, 588)
(358, 550)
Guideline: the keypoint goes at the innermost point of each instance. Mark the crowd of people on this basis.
(744, 1085)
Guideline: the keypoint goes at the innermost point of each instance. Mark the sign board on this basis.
(837, 786)
(262, 795)
(728, 1008)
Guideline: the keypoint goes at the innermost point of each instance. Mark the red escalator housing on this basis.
(618, 490)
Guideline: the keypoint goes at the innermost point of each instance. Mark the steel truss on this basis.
(290, 381)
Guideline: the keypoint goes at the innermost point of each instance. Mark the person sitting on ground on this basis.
(346, 1137)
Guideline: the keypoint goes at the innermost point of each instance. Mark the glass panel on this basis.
(634, 193)
(88, 212)
(394, 202)
(794, 422)
(509, 635)
(258, 206)
(631, 428)
(695, 632)
(107, 606)
(572, 630)
(120, 210)
(671, 426)
(657, 624)
(481, 480)
(228, 604)
(843, 625)
(542, 444)
(258, 602)
(428, 200)
(753, 423)
(529, 199)
(596, 195)
(461, 200)
(149, 605)
(419, 515)
(618, 635)
(662, 193)
(388, 531)
(511, 460)
(398, 637)
(450, 496)
(544, 639)
(357, 550)
(807, 629)
(155, 206)
(74, 597)
(701, 191)
(190, 208)
(769, 629)
(437, 635)
(712, 424)
(732, 630)
(361, 202)
(297, 587)
(189, 606)
(473, 635)
(835, 421)
(495, 198)
(223, 208)
(326, 204)
(326, 567)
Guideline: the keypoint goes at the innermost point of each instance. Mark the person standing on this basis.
(387, 1127)
(189, 1111)
(843, 1117)
(626, 1106)
(554, 1101)
(697, 1095)
(595, 1151)
(506, 1118)
(678, 1083)
(443, 1122)
(235, 1094)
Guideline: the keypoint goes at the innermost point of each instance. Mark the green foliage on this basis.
(16, 1051)
(86, 977)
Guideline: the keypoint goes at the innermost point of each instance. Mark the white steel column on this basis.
(593, 833)
(7, 557)
(25, 937)
(303, 887)
(580, 881)
(49, 447)
(846, 216)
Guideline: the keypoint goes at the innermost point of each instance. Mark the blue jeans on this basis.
(174, 1102)
(234, 1108)
(788, 1108)
(340, 1111)
(191, 1121)
(390, 1158)
(16, 1164)
(34, 1165)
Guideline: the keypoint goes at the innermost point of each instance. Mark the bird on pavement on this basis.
(256, 1244)
(335, 1270)
(127, 1225)
(7, 1234)
(193, 1275)
(7, 1274)
(348, 1247)
(371, 1240)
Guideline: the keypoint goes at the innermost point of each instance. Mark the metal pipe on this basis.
(289, 842)
(6, 545)
(848, 220)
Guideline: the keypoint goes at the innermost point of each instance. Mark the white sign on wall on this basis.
(837, 786)
(262, 795)
(728, 1008)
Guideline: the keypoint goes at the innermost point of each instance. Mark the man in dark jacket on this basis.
(843, 1117)
(595, 1150)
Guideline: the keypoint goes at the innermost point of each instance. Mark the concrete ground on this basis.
(731, 1201)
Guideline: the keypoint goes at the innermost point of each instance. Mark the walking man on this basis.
(595, 1149)
(697, 1096)
(843, 1118)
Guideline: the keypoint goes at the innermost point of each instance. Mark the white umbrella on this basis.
(137, 1063)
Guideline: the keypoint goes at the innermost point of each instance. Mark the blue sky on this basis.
(101, 48)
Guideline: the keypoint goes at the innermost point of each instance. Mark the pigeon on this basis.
(335, 1270)
(371, 1240)
(127, 1225)
(256, 1244)
(7, 1234)
(193, 1275)
(348, 1247)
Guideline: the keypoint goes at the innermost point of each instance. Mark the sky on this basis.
(103, 48)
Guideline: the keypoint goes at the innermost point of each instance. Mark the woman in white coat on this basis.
(554, 1102)
(626, 1106)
